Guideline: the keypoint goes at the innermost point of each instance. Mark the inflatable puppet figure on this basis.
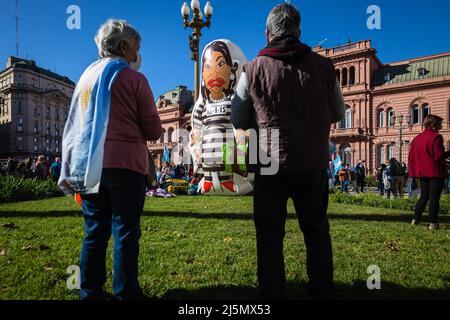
(218, 150)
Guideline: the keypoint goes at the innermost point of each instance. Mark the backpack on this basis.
(393, 170)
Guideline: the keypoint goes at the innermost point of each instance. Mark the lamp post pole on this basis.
(400, 141)
(400, 134)
(196, 24)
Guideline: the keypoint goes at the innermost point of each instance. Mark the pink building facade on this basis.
(381, 98)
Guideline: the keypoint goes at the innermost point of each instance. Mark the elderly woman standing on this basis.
(105, 158)
(427, 162)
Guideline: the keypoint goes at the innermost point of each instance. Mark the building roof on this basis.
(413, 70)
(14, 62)
(179, 95)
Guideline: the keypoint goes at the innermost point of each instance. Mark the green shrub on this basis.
(370, 181)
(18, 189)
(375, 200)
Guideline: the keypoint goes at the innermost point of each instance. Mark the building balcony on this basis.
(347, 132)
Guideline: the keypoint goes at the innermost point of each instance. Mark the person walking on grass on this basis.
(276, 92)
(361, 175)
(427, 162)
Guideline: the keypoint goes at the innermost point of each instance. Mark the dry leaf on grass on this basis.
(49, 266)
(392, 245)
(32, 248)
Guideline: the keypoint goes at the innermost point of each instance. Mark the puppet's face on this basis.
(216, 73)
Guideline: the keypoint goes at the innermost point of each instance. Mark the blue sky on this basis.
(409, 29)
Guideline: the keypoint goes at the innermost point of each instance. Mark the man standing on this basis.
(293, 91)
(361, 174)
(11, 165)
(344, 178)
(55, 169)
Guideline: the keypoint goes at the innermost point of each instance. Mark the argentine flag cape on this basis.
(85, 131)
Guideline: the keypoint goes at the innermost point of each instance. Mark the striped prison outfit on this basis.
(216, 117)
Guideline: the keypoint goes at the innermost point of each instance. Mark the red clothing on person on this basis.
(427, 156)
(133, 120)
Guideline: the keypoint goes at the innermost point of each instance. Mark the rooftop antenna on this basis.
(17, 28)
(322, 42)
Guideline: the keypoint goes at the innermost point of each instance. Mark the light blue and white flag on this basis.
(85, 131)
(337, 164)
(166, 155)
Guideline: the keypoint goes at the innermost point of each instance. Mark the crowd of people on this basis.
(392, 179)
(38, 168)
(181, 172)
(347, 177)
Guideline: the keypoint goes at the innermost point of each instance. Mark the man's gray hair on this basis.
(111, 34)
(283, 20)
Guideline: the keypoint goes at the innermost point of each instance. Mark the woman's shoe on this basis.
(414, 222)
(434, 226)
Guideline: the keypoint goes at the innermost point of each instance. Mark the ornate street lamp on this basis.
(196, 23)
(399, 117)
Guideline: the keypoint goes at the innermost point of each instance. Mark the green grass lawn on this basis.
(204, 248)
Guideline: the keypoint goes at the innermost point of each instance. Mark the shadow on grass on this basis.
(222, 215)
(230, 216)
(297, 291)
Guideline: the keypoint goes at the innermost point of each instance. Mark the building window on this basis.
(390, 118)
(422, 72)
(47, 114)
(415, 119)
(344, 77)
(345, 152)
(380, 118)
(391, 151)
(338, 75)
(425, 110)
(47, 131)
(163, 136)
(171, 135)
(352, 76)
(19, 107)
(36, 143)
(387, 77)
(20, 125)
(346, 123)
(19, 143)
(381, 155)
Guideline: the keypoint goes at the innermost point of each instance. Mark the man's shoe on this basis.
(414, 222)
(434, 226)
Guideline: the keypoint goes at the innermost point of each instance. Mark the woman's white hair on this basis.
(111, 34)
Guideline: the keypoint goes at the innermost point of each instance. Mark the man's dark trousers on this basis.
(309, 191)
(361, 181)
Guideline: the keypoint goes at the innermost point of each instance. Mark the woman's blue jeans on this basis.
(115, 210)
